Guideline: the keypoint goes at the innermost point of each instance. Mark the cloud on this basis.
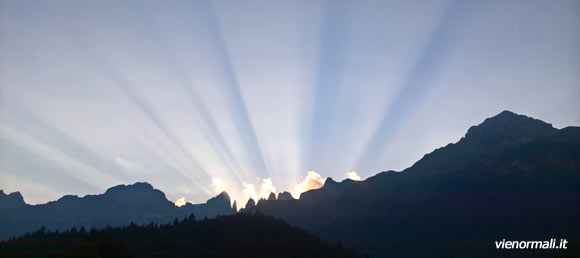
(266, 188)
(312, 181)
(353, 175)
(180, 202)
(128, 164)
(218, 183)
(250, 191)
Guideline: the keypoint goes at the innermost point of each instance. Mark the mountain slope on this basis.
(118, 206)
(510, 177)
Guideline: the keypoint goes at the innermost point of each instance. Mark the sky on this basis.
(197, 97)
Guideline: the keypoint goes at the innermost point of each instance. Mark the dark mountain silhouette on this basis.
(240, 235)
(219, 205)
(285, 196)
(512, 177)
(118, 206)
(251, 203)
(10, 201)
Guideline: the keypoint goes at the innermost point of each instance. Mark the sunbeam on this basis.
(199, 97)
(237, 106)
(328, 80)
(210, 127)
(414, 87)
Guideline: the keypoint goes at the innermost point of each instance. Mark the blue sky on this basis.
(178, 93)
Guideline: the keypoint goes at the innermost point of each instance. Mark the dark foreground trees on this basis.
(240, 235)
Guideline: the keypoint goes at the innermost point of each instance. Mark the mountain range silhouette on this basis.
(511, 177)
(118, 206)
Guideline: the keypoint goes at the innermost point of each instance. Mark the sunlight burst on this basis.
(218, 183)
(312, 181)
(352, 175)
(180, 202)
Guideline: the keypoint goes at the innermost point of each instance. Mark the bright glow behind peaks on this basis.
(265, 189)
(312, 181)
(250, 191)
(218, 183)
(352, 175)
(180, 202)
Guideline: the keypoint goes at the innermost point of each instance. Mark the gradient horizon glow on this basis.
(196, 97)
